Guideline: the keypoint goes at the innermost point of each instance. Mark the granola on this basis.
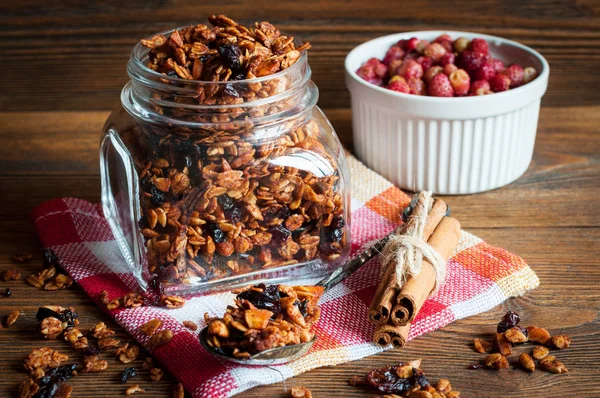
(265, 317)
(11, 275)
(12, 317)
(22, 257)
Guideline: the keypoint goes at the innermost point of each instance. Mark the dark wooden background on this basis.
(62, 68)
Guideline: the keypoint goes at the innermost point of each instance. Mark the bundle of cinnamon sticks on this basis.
(396, 304)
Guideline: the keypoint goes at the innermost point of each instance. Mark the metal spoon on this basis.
(289, 353)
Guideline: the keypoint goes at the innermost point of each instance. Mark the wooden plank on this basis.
(64, 57)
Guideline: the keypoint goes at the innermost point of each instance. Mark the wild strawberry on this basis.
(443, 37)
(431, 72)
(470, 60)
(393, 53)
(480, 87)
(411, 68)
(515, 74)
(398, 84)
(409, 44)
(379, 67)
(498, 65)
(425, 62)
(449, 68)
(447, 44)
(421, 46)
(417, 86)
(440, 86)
(460, 81)
(529, 74)
(367, 72)
(394, 66)
(500, 83)
(479, 45)
(460, 44)
(485, 72)
(447, 58)
(435, 51)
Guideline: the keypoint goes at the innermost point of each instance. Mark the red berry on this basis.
(379, 67)
(498, 65)
(529, 74)
(421, 45)
(411, 68)
(367, 72)
(431, 72)
(470, 60)
(449, 68)
(485, 72)
(500, 83)
(435, 51)
(394, 52)
(417, 86)
(460, 81)
(440, 86)
(410, 44)
(479, 45)
(443, 37)
(447, 58)
(460, 44)
(398, 84)
(394, 66)
(425, 62)
(447, 44)
(480, 87)
(515, 74)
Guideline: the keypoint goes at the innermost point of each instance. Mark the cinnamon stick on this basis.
(418, 287)
(386, 334)
(388, 289)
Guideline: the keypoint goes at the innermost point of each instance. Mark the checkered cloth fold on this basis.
(479, 277)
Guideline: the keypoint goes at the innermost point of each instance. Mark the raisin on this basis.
(509, 321)
(217, 234)
(387, 381)
(172, 73)
(302, 307)
(230, 90)
(7, 292)
(476, 365)
(157, 197)
(336, 235)
(91, 351)
(156, 286)
(230, 55)
(239, 76)
(56, 375)
(127, 374)
(69, 317)
(338, 222)
(50, 258)
(48, 392)
(420, 378)
(226, 202)
(280, 235)
(235, 215)
(44, 313)
(268, 299)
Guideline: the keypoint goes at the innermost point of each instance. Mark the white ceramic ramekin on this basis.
(446, 145)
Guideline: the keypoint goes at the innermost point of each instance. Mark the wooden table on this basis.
(63, 67)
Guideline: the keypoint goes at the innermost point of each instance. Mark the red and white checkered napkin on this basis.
(479, 277)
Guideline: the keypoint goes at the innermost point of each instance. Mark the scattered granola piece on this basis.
(128, 353)
(64, 391)
(527, 362)
(12, 317)
(133, 300)
(134, 389)
(561, 341)
(190, 325)
(76, 338)
(538, 335)
(496, 361)
(172, 301)
(161, 338)
(178, 391)
(100, 331)
(148, 364)
(552, 365)
(11, 275)
(108, 343)
(482, 346)
(150, 327)
(103, 298)
(300, 392)
(22, 257)
(43, 358)
(28, 388)
(51, 327)
(444, 386)
(93, 364)
(156, 374)
(515, 335)
(501, 345)
(540, 352)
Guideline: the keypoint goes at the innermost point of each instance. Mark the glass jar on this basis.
(212, 185)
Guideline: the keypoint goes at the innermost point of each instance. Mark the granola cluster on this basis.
(233, 196)
(47, 371)
(265, 317)
(405, 380)
(510, 334)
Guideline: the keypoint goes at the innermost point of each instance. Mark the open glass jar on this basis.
(212, 185)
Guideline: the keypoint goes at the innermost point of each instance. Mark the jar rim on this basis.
(139, 52)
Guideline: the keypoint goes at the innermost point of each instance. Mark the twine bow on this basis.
(408, 249)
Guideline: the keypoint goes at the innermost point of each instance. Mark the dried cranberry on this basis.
(157, 197)
(50, 258)
(509, 320)
(268, 299)
(231, 55)
(387, 381)
(127, 374)
(7, 292)
(91, 351)
(280, 234)
(217, 234)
